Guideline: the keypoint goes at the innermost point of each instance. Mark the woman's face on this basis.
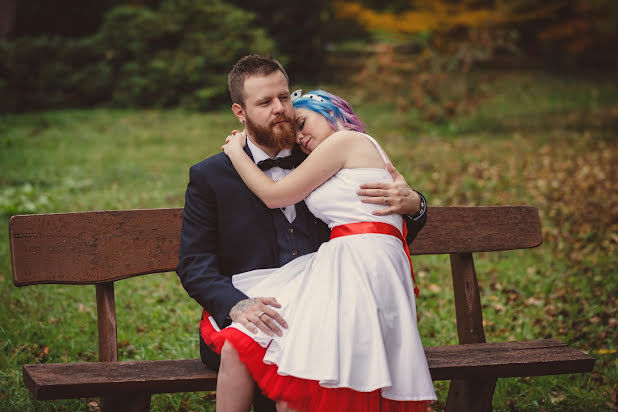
(313, 129)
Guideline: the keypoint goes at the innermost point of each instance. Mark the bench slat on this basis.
(93, 247)
(456, 229)
(507, 359)
(97, 247)
(91, 379)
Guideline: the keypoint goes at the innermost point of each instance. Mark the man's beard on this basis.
(274, 136)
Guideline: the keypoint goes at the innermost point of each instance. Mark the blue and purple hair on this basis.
(333, 108)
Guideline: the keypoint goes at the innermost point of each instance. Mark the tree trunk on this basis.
(8, 10)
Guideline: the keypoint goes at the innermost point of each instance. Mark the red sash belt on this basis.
(376, 227)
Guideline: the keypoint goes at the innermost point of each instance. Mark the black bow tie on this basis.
(282, 162)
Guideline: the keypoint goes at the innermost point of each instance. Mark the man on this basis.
(226, 229)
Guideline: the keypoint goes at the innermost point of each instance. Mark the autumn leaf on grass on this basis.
(534, 301)
(43, 352)
(498, 307)
(557, 397)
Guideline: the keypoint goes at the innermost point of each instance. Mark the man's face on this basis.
(269, 112)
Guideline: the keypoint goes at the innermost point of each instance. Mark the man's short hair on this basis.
(251, 65)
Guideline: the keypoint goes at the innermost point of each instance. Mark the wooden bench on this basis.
(103, 247)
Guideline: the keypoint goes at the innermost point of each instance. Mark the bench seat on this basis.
(505, 360)
(92, 379)
(468, 361)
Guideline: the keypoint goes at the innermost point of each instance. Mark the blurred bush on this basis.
(304, 32)
(426, 49)
(177, 54)
(417, 77)
(47, 72)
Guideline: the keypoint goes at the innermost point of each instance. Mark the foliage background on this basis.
(175, 54)
(477, 102)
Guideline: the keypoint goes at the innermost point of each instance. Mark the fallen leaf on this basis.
(534, 301)
(42, 354)
(94, 406)
(557, 397)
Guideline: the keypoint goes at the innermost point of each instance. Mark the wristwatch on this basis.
(422, 210)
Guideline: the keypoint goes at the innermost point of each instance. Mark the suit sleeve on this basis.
(416, 223)
(198, 265)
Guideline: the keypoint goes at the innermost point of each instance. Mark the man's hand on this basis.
(257, 312)
(397, 197)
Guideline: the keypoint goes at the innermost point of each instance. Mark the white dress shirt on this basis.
(274, 173)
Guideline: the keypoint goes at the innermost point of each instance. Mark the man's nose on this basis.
(278, 106)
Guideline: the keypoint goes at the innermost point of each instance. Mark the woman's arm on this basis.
(320, 165)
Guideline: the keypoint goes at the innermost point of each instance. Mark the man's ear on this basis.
(239, 112)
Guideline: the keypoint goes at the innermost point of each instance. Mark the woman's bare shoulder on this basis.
(348, 136)
(360, 150)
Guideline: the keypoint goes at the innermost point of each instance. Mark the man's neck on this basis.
(271, 152)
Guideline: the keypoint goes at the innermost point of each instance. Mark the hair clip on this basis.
(316, 97)
(296, 94)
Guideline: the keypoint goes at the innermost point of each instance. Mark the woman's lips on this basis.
(307, 143)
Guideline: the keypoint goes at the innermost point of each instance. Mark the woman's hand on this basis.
(234, 142)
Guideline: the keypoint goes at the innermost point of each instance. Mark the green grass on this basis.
(537, 139)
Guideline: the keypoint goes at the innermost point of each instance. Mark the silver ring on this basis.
(386, 200)
(261, 314)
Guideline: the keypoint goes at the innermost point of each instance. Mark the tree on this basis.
(7, 17)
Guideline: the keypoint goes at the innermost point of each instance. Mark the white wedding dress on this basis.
(350, 306)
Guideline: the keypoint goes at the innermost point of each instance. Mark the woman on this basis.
(351, 341)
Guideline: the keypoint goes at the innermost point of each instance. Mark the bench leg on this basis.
(473, 396)
(133, 402)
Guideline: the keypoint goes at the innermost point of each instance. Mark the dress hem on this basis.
(300, 394)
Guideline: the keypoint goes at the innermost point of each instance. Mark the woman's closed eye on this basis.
(300, 123)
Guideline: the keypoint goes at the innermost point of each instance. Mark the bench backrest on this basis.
(102, 247)
(98, 247)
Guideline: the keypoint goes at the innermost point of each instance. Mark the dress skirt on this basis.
(352, 342)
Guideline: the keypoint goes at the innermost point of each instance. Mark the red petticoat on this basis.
(300, 394)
